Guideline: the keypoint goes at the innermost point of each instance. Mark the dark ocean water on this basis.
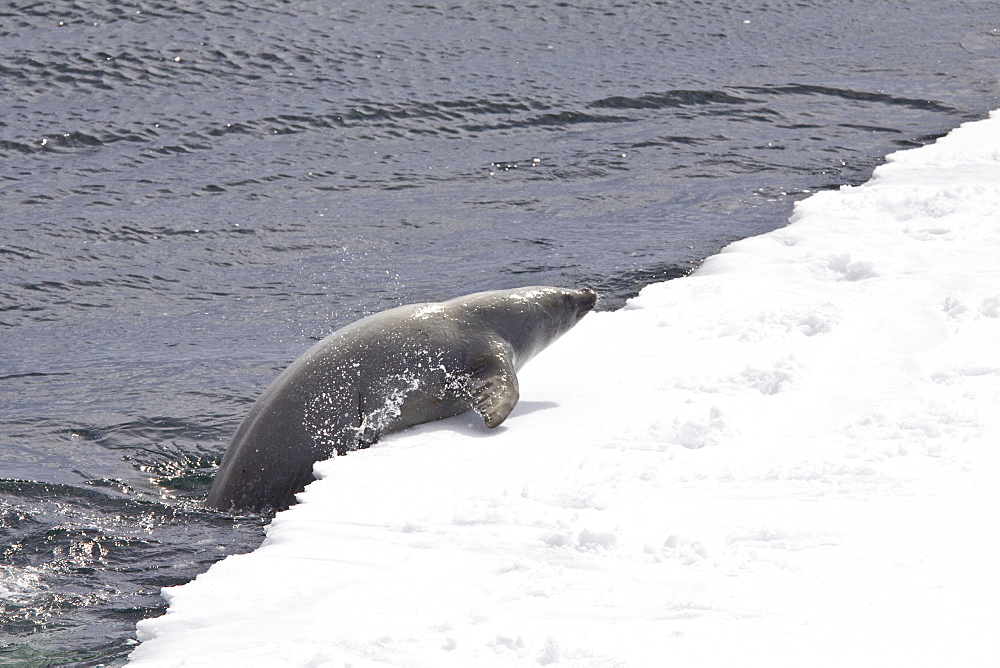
(192, 192)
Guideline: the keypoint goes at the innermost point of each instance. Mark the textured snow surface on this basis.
(790, 455)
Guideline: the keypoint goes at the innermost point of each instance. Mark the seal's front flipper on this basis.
(493, 386)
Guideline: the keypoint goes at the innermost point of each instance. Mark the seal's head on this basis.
(565, 305)
(531, 318)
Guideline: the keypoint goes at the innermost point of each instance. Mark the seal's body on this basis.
(386, 372)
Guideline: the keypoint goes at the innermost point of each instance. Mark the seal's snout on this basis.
(586, 302)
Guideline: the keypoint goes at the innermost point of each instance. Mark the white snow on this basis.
(788, 458)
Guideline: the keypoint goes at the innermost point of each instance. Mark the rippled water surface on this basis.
(191, 192)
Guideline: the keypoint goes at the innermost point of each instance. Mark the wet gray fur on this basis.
(384, 373)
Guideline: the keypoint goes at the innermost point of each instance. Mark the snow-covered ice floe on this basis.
(791, 455)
